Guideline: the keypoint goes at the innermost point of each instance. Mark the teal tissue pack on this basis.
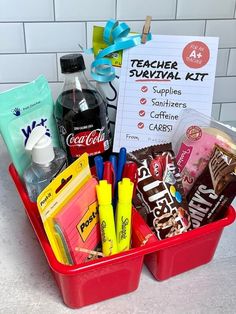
(22, 109)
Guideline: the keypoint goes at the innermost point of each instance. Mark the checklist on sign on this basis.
(159, 79)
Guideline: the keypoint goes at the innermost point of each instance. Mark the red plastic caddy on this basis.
(188, 250)
(111, 276)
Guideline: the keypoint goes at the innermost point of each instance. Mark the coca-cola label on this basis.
(93, 142)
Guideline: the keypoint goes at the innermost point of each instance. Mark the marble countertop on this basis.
(27, 285)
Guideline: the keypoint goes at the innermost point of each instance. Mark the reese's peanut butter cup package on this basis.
(160, 197)
(215, 189)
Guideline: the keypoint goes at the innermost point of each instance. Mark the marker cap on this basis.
(103, 192)
(125, 190)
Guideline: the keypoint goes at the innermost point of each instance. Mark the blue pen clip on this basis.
(98, 160)
(121, 163)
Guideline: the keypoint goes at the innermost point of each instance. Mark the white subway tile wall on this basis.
(26, 67)
(26, 10)
(225, 30)
(34, 34)
(232, 62)
(138, 9)
(227, 110)
(222, 62)
(216, 111)
(80, 10)
(225, 90)
(205, 9)
(189, 28)
(12, 38)
(53, 37)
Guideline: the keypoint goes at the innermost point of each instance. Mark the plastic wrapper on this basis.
(160, 196)
(214, 190)
(195, 136)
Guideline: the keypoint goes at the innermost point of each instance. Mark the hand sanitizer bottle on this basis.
(47, 162)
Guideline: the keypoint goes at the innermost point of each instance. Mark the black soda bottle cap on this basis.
(72, 63)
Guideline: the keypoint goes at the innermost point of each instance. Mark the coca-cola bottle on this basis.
(81, 113)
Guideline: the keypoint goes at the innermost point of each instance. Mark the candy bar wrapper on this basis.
(193, 139)
(160, 197)
(195, 151)
(215, 189)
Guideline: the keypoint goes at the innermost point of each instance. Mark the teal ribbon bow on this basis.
(117, 36)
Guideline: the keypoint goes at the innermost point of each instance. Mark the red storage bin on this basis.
(188, 250)
(96, 280)
(111, 276)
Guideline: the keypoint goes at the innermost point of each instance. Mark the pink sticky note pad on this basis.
(79, 222)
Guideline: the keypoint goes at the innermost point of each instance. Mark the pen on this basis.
(98, 160)
(113, 160)
(121, 163)
(123, 214)
(106, 218)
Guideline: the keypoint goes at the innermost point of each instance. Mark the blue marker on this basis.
(98, 160)
(113, 160)
(121, 163)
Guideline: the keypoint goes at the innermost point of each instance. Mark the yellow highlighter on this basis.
(123, 214)
(106, 218)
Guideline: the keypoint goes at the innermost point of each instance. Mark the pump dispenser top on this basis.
(41, 146)
(47, 162)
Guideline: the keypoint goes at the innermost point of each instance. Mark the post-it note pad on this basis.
(79, 222)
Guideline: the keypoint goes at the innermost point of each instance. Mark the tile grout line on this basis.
(234, 10)
(57, 68)
(131, 20)
(227, 65)
(24, 37)
(205, 26)
(86, 34)
(116, 8)
(220, 111)
(176, 8)
(54, 10)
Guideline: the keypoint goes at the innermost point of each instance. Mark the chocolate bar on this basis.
(215, 189)
(160, 197)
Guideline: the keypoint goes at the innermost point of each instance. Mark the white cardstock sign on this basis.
(159, 79)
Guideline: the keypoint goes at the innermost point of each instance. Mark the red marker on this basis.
(131, 171)
(108, 174)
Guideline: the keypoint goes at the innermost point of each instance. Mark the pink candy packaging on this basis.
(194, 141)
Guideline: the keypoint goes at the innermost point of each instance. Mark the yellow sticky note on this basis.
(99, 44)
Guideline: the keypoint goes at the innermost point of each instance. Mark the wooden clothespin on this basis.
(146, 29)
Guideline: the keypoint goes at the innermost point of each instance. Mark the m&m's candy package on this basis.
(160, 196)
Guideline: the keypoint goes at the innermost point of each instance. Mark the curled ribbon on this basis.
(117, 36)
